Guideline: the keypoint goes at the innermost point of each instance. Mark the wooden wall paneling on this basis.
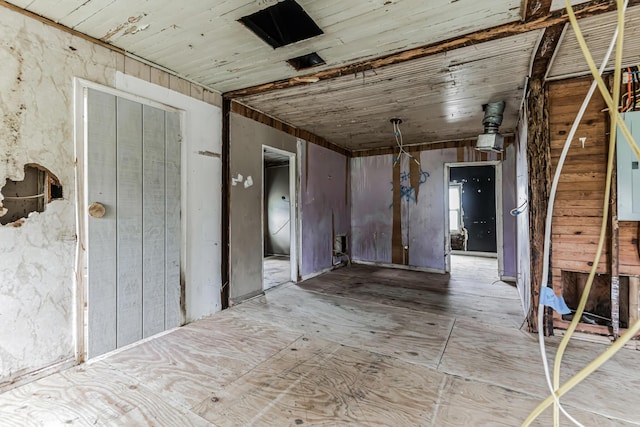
(174, 286)
(578, 209)
(101, 239)
(153, 221)
(634, 284)
(129, 221)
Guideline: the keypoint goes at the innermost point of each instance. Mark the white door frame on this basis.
(293, 211)
(497, 164)
(82, 201)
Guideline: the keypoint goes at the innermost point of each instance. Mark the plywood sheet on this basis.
(406, 334)
(316, 382)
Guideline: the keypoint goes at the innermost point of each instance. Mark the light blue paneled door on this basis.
(133, 265)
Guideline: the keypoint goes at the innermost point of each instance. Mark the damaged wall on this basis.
(325, 206)
(37, 290)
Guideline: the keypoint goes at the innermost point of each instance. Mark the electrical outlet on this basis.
(626, 77)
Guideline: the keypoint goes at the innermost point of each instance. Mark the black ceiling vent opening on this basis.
(306, 61)
(283, 23)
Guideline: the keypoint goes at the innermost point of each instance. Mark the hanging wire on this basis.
(397, 133)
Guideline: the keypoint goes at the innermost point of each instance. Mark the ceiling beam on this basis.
(546, 50)
(559, 17)
(533, 9)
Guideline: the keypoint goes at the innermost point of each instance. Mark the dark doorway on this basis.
(478, 206)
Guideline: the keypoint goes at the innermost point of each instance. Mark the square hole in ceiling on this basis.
(306, 61)
(283, 23)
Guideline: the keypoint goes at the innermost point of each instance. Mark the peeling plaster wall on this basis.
(325, 204)
(245, 222)
(37, 260)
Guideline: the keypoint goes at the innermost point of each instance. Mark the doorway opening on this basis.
(279, 263)
(474, 202)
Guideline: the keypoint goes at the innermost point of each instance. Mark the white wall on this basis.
(37, 260)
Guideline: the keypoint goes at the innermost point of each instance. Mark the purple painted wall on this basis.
(427, 219)
(371, 214)
(324, 182)
(423, 217)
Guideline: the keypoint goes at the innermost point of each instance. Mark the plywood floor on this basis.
(362, 346)
(276, 270)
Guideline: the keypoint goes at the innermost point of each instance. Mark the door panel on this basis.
(173, 293)
(153, 220)
(101, 238)
(133, 168)
(129, 221)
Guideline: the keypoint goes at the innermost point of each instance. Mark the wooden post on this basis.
(539, 165)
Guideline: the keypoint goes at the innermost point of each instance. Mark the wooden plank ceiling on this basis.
(598, 31)
(438, 97)
(465, 53)
(203, 41)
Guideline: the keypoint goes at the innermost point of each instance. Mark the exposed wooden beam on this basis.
(265, 119)
(539, 166)
(556, 18)
(534, 9)
(546, 49)
(463, 143)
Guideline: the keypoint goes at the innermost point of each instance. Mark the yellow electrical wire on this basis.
(616, 120)
(603, 228)
(606, 96)
(586, 371)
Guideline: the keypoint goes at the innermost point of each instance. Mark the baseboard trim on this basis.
(22, 379)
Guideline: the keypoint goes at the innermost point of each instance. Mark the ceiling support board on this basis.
(534, 9)
(555, 18)
(265, 119)
(546, 49)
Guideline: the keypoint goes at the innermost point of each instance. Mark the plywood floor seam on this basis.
(362, 346)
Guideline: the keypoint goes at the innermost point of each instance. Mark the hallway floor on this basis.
(361, 345)
(276, 270)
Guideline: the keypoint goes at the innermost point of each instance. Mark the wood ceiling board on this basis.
(230, 57)
(438, 97)
(598, 31)
(560, 4)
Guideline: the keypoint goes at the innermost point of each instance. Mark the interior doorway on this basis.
(279, 218)
(474, 202)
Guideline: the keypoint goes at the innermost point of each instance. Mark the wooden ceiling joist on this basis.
(553, 19)
(546, 50)
(534, 9)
